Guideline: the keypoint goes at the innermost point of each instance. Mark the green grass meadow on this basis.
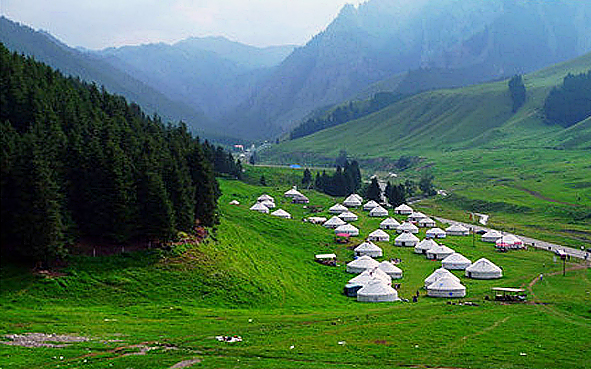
(255, 277)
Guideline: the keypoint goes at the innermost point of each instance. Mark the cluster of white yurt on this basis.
(403, 209)
(406, 239)
(379, 236)
(334, 222)
(347, 229)
(348, 216)
(281, 214)
(353, 201)
(491, 236)
(457, 230)
(439, 253)
(260, 208)
(389, 223)
(509, 241)
(456, 261)
(361, 264)
(425, 245)
(446, 287)
(337, 209)
(484, 269)
(390, 269)
(426, 223)
(368, 248)
(416, 216)
(377, 291)
(407, 227)
(439, 273)
(378, 211)
(370, 205)
(436, 233)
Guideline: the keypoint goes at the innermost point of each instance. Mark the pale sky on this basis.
(96, 24)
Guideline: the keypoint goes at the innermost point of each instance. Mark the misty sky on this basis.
(97, 24)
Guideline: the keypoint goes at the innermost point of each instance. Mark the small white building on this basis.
(484, 269)
(425, 245)
(390, 269)
(439, 253)
(379, 236)
(260, 208)
(348, 216)
(337, 209)
(406, 239)
(435, 233)
(361, 264)
(281, 214)
(446, 287)
(491, 236)
(378, 211)
(439, 273)
(407, 227)
(352, 201)
(456, 261)
(370, 205)
(368, 248)
(457, 230)
(403, 209)
(389, 223)
(377, 291)
(334, 222)
(347, 229)
(426, 223)
(416, 216)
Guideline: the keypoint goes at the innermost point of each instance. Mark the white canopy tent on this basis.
(390, 269)
(446, 287)
(435, 233)
(334, 222)
(260, 208)
(377, 291)
(348, 229)
(425, 245)
(368, 248)
(337, 209)
(407, 227)
(403, 209)
(379, 236)
(378, 211)
(484, 269)
(389, 223)
(406, 239)
(361, 264)
(457, 230)
(456, 261)
(439, 273)
(439, 253)
(281, 214)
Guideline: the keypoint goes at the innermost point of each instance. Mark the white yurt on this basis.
(348, 216)
(265, 197)
(348, 229)
(317, 220)
(370, 205)
(358, 197)
(457, 230)
(281, 214)
(369, 274)
(378, 211)
(337, 209)
(407, 227)
(361, 264)
(406, 239)
(484, 269)
(426, 223)
(425, 245)
(292, 192)
(456, 261)
(300, 199)
(509, 241)
(439, 273)
(268, 204)
(390, 269)
(379, 236)
(446, 287)
(334, 222)
(352, 202)
(377, 291)
(368, 248)
(416, 216)
(260, 208)
(491, 236)
(436, 233)
(439, 253)
(403, 209)
(389, 223)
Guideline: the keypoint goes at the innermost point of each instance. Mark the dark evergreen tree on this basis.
(307, 177)
(373, 191)
(517, 91)
(426, 184)
(569, 103)
(263, 181)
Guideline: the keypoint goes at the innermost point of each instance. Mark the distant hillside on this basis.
(47, 49)
(448, 44)
(471, 117)
(212, 73)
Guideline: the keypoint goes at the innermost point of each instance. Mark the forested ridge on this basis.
(78, 162)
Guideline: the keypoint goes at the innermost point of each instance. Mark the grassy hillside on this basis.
(255, 278)
(479, 151)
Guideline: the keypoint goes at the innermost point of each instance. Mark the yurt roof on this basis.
(417, 214)
(268, 203)
(379, 233)
(364, 262)
(358, 197)
(427, 244)
(377, 287)
(493, 233)
(346, 228)
(483, 265)
(293, 191)
(335, 221)
(406, 236)
(388, 267)
(403, 207)
(367, 246)
(407, 226)
(456, 257)
(440, 273)
(456, 228)
(440, 249)
(390, 221)
(426, 220)
(281, 213)
(259, 206)
(378, 210)
(347, 214)
(265, 197)
(436, 231)
(338, 207)
(446, 284)
(371, 204)
(509, 239)
(368, 275)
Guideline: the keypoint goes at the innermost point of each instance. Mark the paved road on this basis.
(529, 241)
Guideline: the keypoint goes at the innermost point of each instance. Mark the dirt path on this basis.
(542, 197)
